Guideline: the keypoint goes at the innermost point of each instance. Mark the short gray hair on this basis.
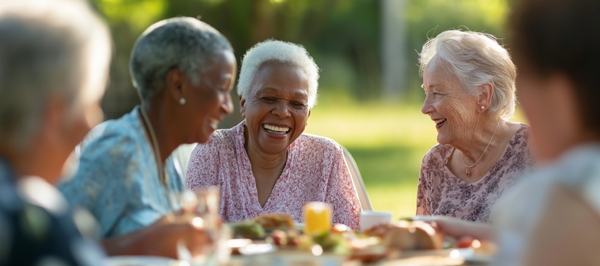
(278, 51)
(47, 48)
(475, 58)
(184, 43)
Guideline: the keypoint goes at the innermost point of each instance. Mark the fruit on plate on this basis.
(334, 242)
(285, 238)
(248, 229)
(274, 220)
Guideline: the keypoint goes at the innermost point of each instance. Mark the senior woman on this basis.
(54, 58)
(552, 217)
(266, 164)
(469, 83)
(183, 69)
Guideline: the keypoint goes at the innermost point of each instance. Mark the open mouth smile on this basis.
(276, 130)
(439, 122)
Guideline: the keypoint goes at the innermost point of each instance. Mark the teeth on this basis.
(440, 121)
(277, 130)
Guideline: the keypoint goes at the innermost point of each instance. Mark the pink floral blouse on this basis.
(440, 192)
(315, 171)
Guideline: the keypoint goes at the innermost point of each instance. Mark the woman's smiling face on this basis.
(276, 108)
(448, 105)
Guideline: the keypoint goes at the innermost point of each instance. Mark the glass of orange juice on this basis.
(317, 217)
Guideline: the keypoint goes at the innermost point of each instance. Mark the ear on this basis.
(308, 113)
(54, 122)
(242, 106)
(175, 85)
(486, 91)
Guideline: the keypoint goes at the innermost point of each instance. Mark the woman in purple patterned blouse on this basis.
(266, 164)
(469, 82)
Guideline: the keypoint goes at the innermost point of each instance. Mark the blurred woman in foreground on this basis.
(54, 58)
(553, 217)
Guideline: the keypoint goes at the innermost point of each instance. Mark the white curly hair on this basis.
(475, 58)
(279, 51)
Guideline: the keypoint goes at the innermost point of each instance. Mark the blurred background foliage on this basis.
(388, 137)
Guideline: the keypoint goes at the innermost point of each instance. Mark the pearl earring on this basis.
(482, 107)
(182, 101)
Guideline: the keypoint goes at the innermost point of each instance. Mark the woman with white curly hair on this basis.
(266, 164)
(469, 82)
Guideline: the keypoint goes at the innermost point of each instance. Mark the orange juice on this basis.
(317, 218)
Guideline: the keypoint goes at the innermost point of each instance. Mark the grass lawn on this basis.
(388, 143)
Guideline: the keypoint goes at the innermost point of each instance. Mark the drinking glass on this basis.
(317, 217)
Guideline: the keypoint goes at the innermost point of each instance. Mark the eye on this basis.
(268, 99)
(298, 105)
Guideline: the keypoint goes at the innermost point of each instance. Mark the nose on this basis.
(227, 105)
(427, 107)
(282, 110)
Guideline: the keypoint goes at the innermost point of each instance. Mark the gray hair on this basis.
(475, 58)
(184, 43)
(284, 52)
(47, 48)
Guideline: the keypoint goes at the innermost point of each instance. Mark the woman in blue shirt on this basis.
(183, 70)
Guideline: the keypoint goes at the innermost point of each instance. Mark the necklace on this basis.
(486, 148)
(161, 170)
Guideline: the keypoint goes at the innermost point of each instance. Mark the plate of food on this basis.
(388, 241)
(261, 226)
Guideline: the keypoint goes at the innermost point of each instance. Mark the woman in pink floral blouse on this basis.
(469, 82)
(266, 164)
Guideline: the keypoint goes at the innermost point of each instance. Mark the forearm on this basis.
(459, 228)
(134, 243)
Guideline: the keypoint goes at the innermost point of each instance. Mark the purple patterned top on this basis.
(440, 192)
(315, 171)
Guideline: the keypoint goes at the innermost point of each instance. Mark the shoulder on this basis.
(438, 152)
(521, 135)
(223, 137)
(220, 140)
(318, 143)
(519, 147)
(125, 127)
(435, 160)
(113, 147)
(115, 137)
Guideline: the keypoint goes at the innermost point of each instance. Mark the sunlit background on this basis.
(369, 95)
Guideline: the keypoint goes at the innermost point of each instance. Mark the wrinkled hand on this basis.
(161, 238)
(458, 228)
(169, 230)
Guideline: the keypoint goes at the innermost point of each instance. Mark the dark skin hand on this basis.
(158, 239)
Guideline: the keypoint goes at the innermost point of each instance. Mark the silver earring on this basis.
(182, 101)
